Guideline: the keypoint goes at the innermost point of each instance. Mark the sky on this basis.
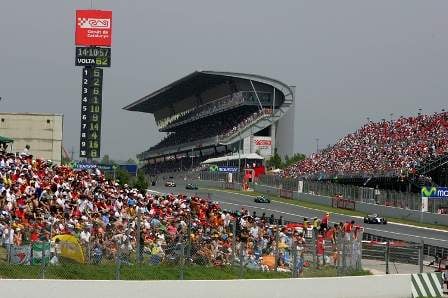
(349, 60)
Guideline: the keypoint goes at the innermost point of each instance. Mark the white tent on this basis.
(232, 157)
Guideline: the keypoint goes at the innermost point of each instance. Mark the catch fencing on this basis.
(137, 251)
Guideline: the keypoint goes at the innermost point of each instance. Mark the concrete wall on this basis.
(43, 132)
(285, 140)
(390, 286)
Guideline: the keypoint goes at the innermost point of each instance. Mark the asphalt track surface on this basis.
(291, 212)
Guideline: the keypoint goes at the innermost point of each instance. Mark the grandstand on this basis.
(405, 153)
(211, 114)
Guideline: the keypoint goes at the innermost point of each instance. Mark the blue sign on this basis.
(435, 192)
(130, 168)
(223, 169)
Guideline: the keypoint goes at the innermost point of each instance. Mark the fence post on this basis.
(387, 256)
(182, 260)
(42, 261)
(276, 247)
(359, 260)
(139, 248)
(420, 255)
(344, 256)
(9, 245)
(295, 272)
(189, 239)
(234, 240)
(118, 263)
(313, 245)
(241, 259)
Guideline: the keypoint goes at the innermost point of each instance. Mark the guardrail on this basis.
(428, 250)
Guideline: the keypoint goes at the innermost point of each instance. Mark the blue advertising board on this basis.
(226, 169)
(130, 168)
(435, 192)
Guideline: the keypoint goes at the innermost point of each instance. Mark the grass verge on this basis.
(333, 210)
(146, 272)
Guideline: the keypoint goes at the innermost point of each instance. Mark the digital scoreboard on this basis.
(93, 56)
(93, 39)
(91, 107)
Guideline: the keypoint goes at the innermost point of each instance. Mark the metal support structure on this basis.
(421, 255)
(386, 257)
(256, 95)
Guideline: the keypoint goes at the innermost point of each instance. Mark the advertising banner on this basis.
(225, 169)
(261, 145)
(435, 192)
(41, 250)
(21, 255)
(93, 28)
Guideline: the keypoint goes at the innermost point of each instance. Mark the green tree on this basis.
(65, 160)
(131, 161)
(141, 183)
(275, 161)
(106, 159)
(122, 176)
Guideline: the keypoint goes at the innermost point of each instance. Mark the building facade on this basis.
(42, 132)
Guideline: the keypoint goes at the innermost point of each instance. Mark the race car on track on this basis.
(375, 219)
(170, 183)
(191, 186)
(262, 199)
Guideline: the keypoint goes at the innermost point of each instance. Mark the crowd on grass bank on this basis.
(39, 200)
(395, 147)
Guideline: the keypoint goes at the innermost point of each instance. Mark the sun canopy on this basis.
(6, 140)
(232, 157)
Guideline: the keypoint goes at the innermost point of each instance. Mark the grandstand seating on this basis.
(386, 148)
(218, 125)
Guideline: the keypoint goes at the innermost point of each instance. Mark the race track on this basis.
(290, 212)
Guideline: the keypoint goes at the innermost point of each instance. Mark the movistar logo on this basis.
(435, 192)
(428, 191)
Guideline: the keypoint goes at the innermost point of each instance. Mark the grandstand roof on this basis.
(232, 157)
(193, 82)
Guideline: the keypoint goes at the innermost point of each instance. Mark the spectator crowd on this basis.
(39, 200)
(395, 147)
